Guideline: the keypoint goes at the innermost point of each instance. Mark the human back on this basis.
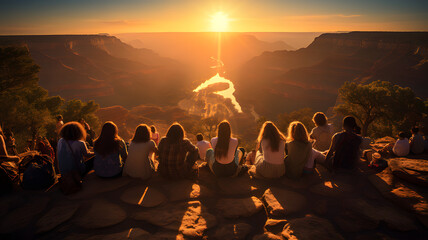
(138, 163)
(110, 152)
(177, 155)
(223, 158)
(322, 132)
(345, 146)
(202, 145)
(269, 160)
(71, 149)
(298, 150)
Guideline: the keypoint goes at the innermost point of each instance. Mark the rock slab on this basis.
(274, 225)
(22, 216)
(310, 227)
(93, 186)
(189, 218)
(56, 216)
(239, 207)
(145, 196)
(281, 202)
(101, 214)
(332, 189)
(364, 212)
(411, 170)
(233, 231)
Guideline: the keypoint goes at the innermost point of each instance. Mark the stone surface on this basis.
(320, 206)
(353, 222)
(267, 236)
(310, 227)
(281, 202)
(274, 225)
(185, 190)
(10, 202)
(233, 231)
(239, 207)
(373, 236)
(242, 185)
(412, 170)
(152, 196)
(23, 215)
(93, 186)
(364, 213)
(391, 188)
(189, 218)
(56, 216)
(332, 189)
(207, 178)
(303, 182)
(101, 214)
(133, 233)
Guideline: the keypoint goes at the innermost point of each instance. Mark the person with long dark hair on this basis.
(72, 153)
(177, 155)
(138, 164)
(223, 158)
(345, 146)
(269, 161)
(110, 152)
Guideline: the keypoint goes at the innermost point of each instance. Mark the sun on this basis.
(219, 22)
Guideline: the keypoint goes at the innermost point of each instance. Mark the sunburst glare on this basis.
(219, 22)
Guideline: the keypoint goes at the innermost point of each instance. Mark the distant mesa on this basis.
(310, 77)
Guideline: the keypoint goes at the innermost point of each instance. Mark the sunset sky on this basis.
(120, 16)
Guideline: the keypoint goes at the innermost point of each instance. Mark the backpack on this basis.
(38, 172)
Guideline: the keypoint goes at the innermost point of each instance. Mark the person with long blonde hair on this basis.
(269, 161)
(300, 154)
(223, 158)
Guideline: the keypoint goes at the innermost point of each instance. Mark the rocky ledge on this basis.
(363, 204)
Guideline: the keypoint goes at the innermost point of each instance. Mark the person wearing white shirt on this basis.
(202, 145)
(401, 147)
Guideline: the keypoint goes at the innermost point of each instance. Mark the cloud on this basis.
(320, 17)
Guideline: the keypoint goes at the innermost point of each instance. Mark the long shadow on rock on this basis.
(239, 207)
(143, 195)
(189, 218)
(100, 214)
(93, 186)
(242, 185)
(279, 202)
(23, 215)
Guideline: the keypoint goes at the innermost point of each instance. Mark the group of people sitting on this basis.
(403, 146)
(174, 156)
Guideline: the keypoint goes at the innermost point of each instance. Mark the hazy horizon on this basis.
(82, 17)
